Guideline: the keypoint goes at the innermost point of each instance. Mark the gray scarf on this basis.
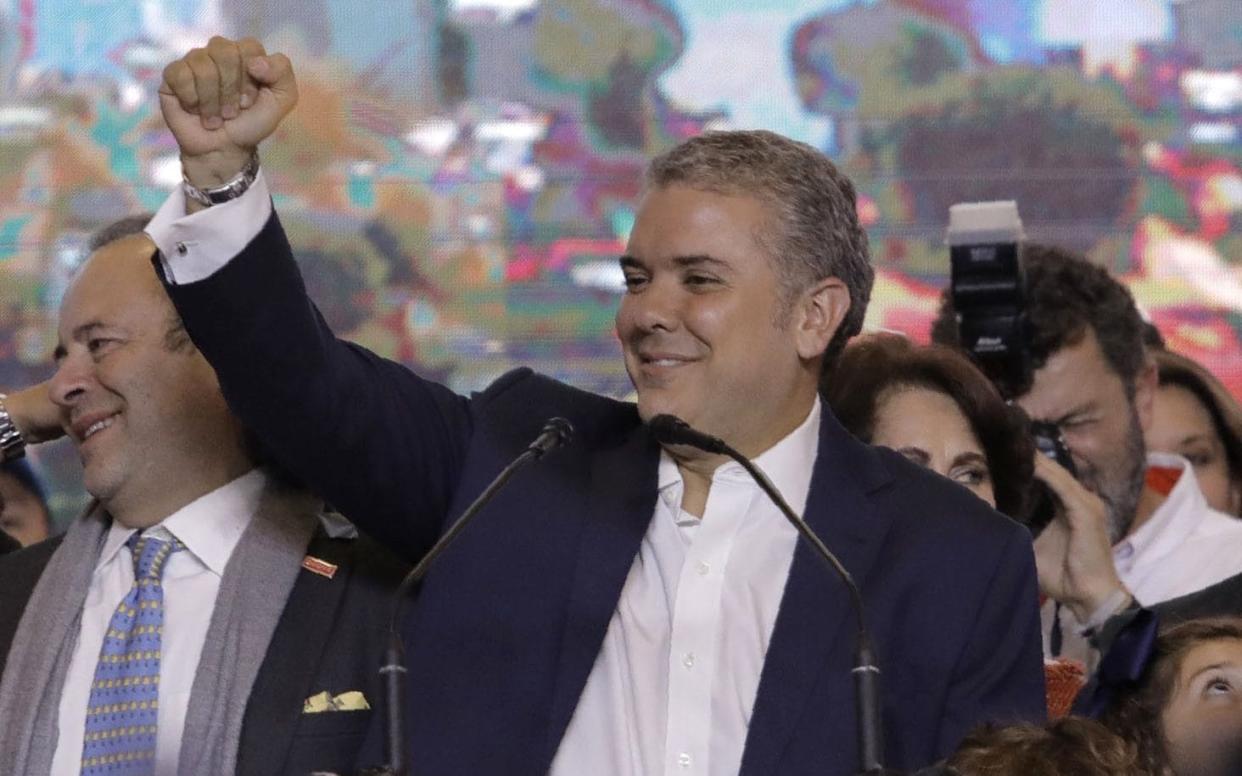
(256, 583)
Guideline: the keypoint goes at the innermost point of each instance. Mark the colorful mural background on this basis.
(461, 175)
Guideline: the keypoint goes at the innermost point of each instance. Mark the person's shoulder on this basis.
(522, 400)
(1220, 526)
(940, 524)
(524, 384)
(924, 495)
(1222, 599)
(1211, 550)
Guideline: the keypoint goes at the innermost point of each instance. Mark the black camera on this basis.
(988, 287)
(1049, 441)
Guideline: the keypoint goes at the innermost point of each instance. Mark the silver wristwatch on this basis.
(230, 190)
(12, 445)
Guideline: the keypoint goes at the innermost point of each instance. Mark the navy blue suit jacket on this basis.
(508, 625)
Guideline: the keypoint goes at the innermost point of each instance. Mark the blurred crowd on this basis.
(642, 606)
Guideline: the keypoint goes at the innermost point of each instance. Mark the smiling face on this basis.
(930, 429)
(145, 411)
(706, 333)
(1180, 424)
(1202, 720)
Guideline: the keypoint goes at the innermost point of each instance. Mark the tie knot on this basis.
(150, 554)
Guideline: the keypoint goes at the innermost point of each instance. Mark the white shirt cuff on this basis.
(193, 247)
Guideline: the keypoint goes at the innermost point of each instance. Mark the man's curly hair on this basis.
(1066, 294)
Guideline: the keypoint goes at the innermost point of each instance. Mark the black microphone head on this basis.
(669, 429)
(672, 430)
(556, 432)
(560, 431)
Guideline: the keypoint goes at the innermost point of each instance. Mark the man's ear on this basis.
(821, 309)
(1145, 386)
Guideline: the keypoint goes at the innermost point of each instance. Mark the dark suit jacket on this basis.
(508, 624)
(1223, 599)
(330, 637)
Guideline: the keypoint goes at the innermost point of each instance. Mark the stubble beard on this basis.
(1121, 488)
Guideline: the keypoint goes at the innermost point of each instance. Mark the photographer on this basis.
(1130, 524)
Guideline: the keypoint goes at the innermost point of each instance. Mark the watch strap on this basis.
(230, 190)
(12, 444)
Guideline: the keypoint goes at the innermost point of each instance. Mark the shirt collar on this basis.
(209, 527)
(1175, 518)
(788, 464)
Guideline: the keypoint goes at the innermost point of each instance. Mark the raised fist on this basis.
(220, 101)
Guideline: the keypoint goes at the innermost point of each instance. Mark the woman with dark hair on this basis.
(1196, 417)
(936, 408)
(1185, 711)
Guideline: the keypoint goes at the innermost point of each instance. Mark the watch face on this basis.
(226, 193)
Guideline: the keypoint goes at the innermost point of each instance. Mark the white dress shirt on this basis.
(1185, 545)
(674, 684)
(193, 247)
(210, 528)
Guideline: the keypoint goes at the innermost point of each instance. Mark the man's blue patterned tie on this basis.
(123, 709)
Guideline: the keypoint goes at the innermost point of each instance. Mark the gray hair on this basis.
(816, 234)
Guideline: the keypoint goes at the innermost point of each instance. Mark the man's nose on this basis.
(659, 307)
(69, 383)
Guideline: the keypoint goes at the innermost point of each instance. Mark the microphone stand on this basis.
(669, 429)
(556, 432)
(866, 671)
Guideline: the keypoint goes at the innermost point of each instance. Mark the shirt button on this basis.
(182, 249)
(1125, 551)
(703, 568)
(684, 760)
(687, 660)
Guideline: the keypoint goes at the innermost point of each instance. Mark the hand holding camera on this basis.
(1073, 554)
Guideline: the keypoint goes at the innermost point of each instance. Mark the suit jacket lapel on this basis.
(617, 512)
(815, 618)
(293, 656)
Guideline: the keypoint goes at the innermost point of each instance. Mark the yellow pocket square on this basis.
(352, 700)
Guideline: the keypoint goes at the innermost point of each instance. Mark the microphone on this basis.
(672, 430)
(556, 432)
